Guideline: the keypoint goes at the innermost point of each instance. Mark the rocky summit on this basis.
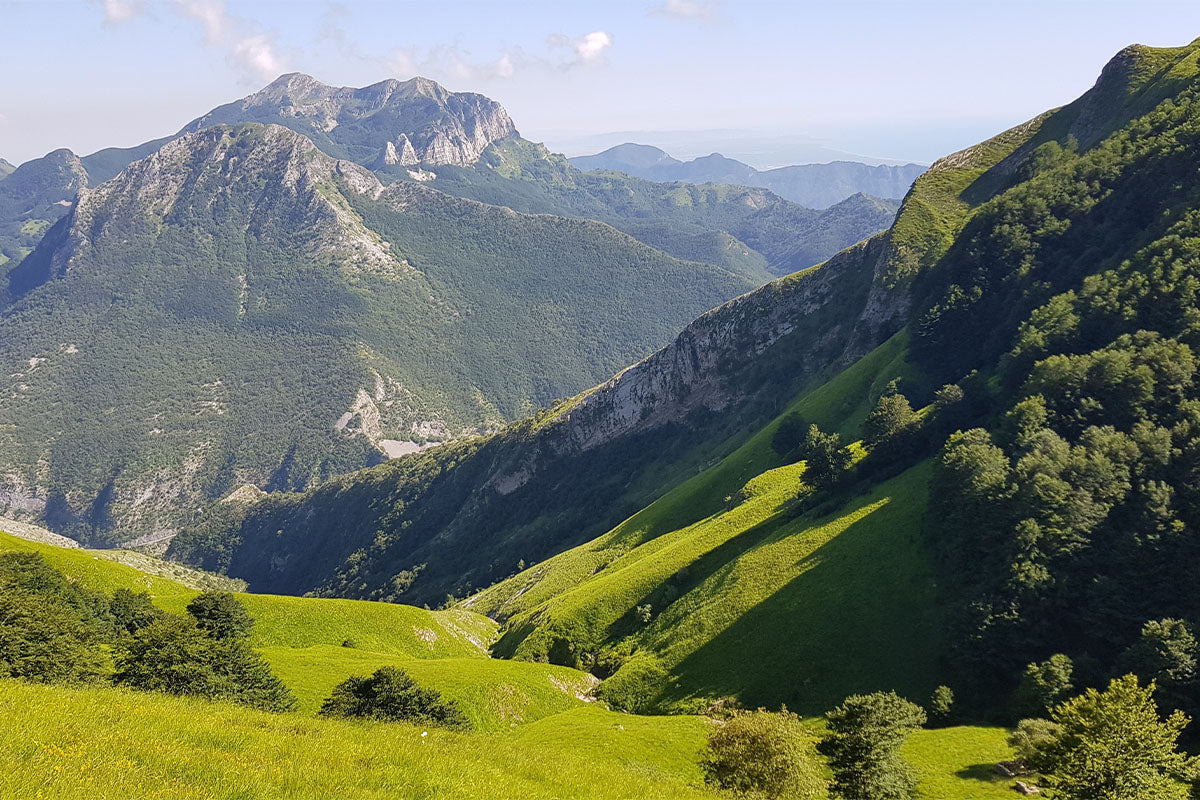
(391, 122)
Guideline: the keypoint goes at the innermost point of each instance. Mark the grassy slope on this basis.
(959, 763)
(534, 737)
(302, 638)
(848, 595)
(107, 743)
(838, 405)
(848, 600)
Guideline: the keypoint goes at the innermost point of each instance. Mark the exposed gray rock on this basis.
(388, 123)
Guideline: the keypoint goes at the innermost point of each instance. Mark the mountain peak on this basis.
(442, 127)
(188, 172)
(294, 80)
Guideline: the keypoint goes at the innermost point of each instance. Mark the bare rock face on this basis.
(698, 370)
(392, 122)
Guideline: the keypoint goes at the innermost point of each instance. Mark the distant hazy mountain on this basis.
(5, 168)
(239, 307)
(467, 145)
(812, 185)
(720, 223)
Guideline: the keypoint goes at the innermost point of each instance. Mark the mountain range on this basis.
(305, 282)
(812, 185)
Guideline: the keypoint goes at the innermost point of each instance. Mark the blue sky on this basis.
(904, 80)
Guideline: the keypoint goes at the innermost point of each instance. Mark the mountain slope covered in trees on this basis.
(240, 308)
(1015, 355)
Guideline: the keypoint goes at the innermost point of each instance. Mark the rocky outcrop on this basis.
(392, 122)
(700, 369)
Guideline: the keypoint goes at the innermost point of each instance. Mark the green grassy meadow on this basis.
(536, 731)
(844, 588)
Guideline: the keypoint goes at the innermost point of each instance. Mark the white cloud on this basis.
(587, 49)
(251, 51)
(258, 53)
(120, 10)
(452, 61)
(592, 46)
(688, 9)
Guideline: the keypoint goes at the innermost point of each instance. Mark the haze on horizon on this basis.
(761, 81)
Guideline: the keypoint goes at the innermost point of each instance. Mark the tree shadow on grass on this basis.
(979, 772)
(859, 615)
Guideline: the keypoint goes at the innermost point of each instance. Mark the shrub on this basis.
(220, 614)
(760, 754)
(891, 415)
(1030, 739)
(131, 611)
(1044, 684)
(173, 655)
(390, 694)
(635, 686)
(827, 459)
(866, 733)
(30, 573)
(941, 703)
(43, 639)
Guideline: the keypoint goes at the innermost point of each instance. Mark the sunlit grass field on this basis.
(112, 744)
(535, 731)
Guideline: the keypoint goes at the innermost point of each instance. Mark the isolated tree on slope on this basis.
(763, 754)
(891, 415)
(866, 733)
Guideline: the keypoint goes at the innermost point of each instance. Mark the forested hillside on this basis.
(240, 308)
